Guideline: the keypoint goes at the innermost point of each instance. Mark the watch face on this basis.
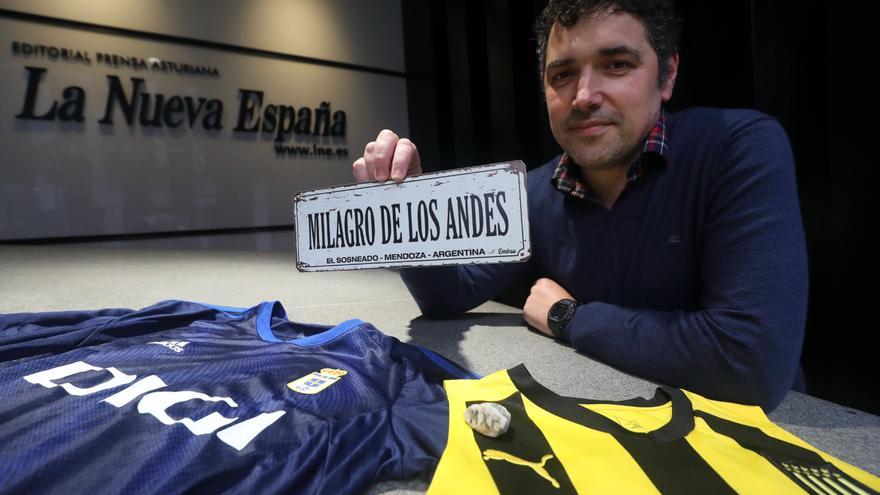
(560, 310)
(559, 315)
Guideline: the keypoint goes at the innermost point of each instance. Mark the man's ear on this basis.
(671, 74)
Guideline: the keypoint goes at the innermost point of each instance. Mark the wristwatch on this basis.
(560, 314)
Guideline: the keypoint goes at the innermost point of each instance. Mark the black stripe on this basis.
(666, 458)
(133, 33)
(756, 440)
(681, 423)
(786, 457)
(525, 441)
(674, 467)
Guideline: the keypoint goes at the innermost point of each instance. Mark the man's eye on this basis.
(560, 76)
(619, 65)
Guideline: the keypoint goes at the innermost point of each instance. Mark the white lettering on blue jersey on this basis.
(241, 434)
(156, 404)
(47, 378)
(137, 389)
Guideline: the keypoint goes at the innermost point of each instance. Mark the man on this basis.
(667, 245)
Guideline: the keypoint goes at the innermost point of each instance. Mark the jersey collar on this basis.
(317, 334)
(681, 423)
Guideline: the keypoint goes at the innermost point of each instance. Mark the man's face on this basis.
(601, 86)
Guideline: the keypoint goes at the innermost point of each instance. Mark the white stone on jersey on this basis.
(488, 418)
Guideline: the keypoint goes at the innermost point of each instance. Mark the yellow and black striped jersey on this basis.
(676, 442)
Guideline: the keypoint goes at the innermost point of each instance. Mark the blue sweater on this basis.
(696, 277)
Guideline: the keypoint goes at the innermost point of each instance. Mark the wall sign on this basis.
(109, 134)
(463, 216)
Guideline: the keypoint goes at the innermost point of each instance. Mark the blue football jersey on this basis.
(189, 397)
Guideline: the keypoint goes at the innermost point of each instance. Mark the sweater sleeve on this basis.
(743, 343)
(446, 291)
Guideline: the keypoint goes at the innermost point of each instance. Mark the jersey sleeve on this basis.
(743, 343)
(31, 334)
(417, 421)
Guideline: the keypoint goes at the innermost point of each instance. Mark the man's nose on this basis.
(589, 92)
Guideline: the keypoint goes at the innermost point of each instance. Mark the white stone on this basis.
(488, 418)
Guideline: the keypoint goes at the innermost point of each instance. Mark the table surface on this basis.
(245, 269)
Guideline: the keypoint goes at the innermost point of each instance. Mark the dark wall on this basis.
(473, 91)
(474, 98)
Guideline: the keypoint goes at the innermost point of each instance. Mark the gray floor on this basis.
(244, 269)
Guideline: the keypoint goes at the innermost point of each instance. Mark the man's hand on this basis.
(544, 294)
(387, 157)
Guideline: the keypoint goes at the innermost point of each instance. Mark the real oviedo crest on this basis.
(316, 381)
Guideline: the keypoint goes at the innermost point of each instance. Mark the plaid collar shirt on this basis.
(567, 177)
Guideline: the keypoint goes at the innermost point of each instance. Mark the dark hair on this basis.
(661, 25)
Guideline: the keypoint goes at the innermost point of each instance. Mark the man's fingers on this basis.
(359, 169)
(527, 313)
(369, 160)
(406, 160)
(383, 153)
(540, 285)
(535, 315)
(387, 157)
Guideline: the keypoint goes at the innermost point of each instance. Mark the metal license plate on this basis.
(463, 216)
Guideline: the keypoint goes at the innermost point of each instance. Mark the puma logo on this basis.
(629, 424)
(538, 467)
